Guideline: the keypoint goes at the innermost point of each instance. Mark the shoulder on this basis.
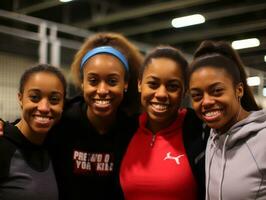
(193, 126)
(195, 136)
(128, 123)
(257, 147)
(7, 149)
(73, 108)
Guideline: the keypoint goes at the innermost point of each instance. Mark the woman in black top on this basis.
(95, 127)
(25, 167)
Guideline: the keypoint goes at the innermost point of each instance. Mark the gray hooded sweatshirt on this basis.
(236, 161)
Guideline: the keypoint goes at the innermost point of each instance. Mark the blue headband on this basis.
(108, 50)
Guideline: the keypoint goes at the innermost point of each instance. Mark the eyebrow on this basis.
(156, 78)
(210, 86)
(215, 84)
(96, 74)
(38, 90)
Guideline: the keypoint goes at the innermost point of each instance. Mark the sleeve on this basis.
(6, 152)
(195, 136)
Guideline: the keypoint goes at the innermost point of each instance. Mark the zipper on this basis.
(152, 140)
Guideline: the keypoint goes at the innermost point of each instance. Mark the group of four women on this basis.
(103, 148)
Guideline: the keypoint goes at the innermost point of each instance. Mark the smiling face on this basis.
(161, 90)
(103, 85)
(214, 98)
(42, 102)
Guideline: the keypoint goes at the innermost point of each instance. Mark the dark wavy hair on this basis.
(130, 102)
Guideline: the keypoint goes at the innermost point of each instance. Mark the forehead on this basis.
(163, 67)
(209, 75)
(44, 81)
(104, 64)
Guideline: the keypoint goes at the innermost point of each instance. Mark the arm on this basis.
(3, 123)
(1, 127)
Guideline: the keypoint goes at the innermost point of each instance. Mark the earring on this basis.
(125, 90)
(239, 98)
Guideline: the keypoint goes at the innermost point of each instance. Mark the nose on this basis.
(161, 92)
(44, 106)
(102, 88)
(207, 101)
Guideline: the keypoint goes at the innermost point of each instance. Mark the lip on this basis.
(43, 120)
(102, 103)
(159, 107)
(212, 115)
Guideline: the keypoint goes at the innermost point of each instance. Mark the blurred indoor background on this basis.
(51, 31)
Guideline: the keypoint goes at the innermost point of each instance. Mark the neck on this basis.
(101, 124)
(33, 137)
(156, 126)
(242, 114)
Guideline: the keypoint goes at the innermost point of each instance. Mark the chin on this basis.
(42, 130)
(103, 114)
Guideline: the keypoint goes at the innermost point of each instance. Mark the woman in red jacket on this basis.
(165, 158)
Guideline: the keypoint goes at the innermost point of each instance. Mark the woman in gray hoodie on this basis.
(236, 149)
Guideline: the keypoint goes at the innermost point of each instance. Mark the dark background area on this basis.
(149, 21)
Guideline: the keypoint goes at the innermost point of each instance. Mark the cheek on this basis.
(27, 106)
(119, 94)
(234, 106)
(87, 90)
(57, 110)
(197, 108)
(180, 95)
(145, 97)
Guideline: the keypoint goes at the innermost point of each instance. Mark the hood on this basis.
(255, 122)
(245, 128)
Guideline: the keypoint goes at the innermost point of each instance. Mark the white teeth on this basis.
(42, 119)
(102, 102)
(211, 114)
(160, 107)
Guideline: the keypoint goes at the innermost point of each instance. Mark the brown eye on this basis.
(34, 98)
(93, 81)
(153, 84)
(54, 99)
(173, 87)
(112, 81)
(217, 91)
(196, 96)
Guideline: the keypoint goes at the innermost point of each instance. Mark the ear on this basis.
(239, 90)
(20, 99)
(126, 86)
(139, 85)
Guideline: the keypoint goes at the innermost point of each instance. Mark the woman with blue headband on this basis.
(88, 143)
(96, 127)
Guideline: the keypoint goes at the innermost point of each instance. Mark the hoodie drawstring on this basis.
(223, 167)
(209, 167)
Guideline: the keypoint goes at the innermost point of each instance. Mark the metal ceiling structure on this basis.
(149, 21)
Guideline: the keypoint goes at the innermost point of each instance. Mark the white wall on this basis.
(11, 68)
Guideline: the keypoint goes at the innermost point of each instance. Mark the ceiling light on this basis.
(188, 20)
(253, 81)
(65, 1)
(247, 43)
(264, 92)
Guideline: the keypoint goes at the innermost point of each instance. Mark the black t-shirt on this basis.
(86, 162)
(26, 171)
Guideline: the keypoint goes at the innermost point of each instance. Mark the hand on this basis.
(1, 128)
